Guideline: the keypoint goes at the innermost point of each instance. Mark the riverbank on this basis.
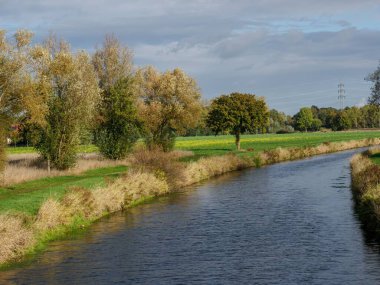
(151, 175)
(365, 175)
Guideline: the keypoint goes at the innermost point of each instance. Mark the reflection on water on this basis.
(291, 223)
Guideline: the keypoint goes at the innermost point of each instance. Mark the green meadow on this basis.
(219, 145)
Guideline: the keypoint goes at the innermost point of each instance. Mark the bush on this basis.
(164, 165)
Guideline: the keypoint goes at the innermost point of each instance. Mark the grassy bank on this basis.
(151, 174)
(365, 175)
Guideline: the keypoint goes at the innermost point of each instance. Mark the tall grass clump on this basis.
(15, 237)
(164, 165)
(365, 176)
(284, 154)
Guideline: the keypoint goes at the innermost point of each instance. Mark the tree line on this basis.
(58, 98)
(54, 99)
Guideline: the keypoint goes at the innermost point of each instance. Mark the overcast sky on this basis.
(293, 52)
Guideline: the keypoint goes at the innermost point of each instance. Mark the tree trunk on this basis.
(237, 140)
(48, 165)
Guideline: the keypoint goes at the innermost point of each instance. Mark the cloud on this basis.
(275, 48)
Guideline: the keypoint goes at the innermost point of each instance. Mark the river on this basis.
(290, 223)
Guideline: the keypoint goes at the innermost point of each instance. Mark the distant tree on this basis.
(316, 124)
(118, 127)
(304, 119)
(69, 84)
(327, 115)
(370, 116)
(169, 104)
(341, 121)
(354, 114)
(374, 77)
(279, 121)
(238, 113)
(315, 111)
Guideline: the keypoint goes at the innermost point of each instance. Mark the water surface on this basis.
(290, 223)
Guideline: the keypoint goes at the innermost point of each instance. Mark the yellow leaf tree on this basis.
(169, 103)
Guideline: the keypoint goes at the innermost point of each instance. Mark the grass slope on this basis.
(28, 196)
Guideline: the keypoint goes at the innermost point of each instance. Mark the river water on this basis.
(290, 223)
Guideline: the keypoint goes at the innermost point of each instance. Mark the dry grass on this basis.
(163, 164)
(285, 154)
(90, 205)
(208, 167)
(365, 176)
(26, 167)
(15, 237)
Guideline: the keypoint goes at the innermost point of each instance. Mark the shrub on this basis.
(160, 163)
(15, 237)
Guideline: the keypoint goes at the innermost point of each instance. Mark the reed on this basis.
(365, 177)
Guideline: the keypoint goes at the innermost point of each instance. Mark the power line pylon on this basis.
(341, 94)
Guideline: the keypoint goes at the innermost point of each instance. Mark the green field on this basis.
(211, 145)
(27, 197)
(29, 149)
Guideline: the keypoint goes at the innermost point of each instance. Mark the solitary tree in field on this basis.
(304, 119)
(238, 113)
(118, 126)
(69, 84)
(169, 104)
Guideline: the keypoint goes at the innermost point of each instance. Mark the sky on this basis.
(292, 52)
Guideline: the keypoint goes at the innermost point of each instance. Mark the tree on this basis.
(169, 103)
(374, 77)
(304, 119)
(341, 121)
(279, 122)
(371, 115)
(327, 115)
(69, 85)
(15, 87)
(118, 126)
(238, 113)
(354, 115)
(316, 125)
